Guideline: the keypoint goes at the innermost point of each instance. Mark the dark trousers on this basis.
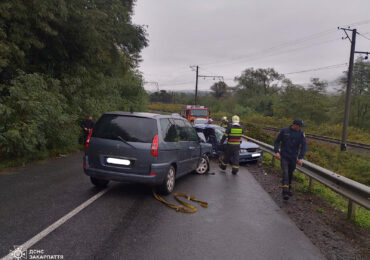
(288, 167)
(231, 156)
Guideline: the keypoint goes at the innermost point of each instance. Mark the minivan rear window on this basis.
(128, 128)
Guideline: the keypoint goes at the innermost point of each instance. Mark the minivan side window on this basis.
(181, 127)
(192, 134)
(169, 131)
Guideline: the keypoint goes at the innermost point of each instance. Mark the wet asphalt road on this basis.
(242, 221)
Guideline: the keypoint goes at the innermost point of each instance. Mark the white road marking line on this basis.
(55, 225)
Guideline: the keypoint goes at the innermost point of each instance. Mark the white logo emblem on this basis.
(18, 253)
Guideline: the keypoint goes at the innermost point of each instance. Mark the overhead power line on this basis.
(176, 84)
(363, 35)
(257, 56)
(317, 69)
(314, 69)
(285, 44)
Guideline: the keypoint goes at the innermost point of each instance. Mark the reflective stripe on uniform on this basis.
(236, 131)
(235, 166)
(234, 143)
(239, 135)
(285, 186)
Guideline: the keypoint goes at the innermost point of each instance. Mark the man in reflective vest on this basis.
(292, 143)
(224, 123)
(233, 135)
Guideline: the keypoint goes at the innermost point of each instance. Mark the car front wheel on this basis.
(203, 166)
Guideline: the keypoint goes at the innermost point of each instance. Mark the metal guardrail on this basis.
(327, 139)
(354, 191)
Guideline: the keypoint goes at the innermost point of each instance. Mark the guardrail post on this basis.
(351, 210)
(273, 162)
(310, 185)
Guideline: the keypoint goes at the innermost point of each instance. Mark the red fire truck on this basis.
(191, 112)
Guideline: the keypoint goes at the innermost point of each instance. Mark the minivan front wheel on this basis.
(99, 182)
(203, 166)
(169, 181)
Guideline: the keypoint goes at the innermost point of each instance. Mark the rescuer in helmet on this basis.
(233, 135)
(224, 123)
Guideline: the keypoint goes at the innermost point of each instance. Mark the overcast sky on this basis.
(224, 37)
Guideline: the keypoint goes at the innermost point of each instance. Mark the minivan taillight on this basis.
(154, 148)
(88, 139)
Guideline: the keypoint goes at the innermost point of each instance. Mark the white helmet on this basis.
(236, 119)
(224, 118)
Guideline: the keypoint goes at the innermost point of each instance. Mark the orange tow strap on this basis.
(185, 207)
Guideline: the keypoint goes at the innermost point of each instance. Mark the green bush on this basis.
(34, 117)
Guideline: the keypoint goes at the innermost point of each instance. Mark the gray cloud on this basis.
(227, 36)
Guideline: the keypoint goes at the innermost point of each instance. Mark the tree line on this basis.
(61, 60)
(269, 93)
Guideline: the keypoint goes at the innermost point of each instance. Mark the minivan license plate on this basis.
(118, 161)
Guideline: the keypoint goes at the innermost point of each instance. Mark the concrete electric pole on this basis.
(343, 145)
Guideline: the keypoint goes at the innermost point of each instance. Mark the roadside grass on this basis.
(324, 129)
(362, 218)
(17, 162)
(162, 107)
(352, 165)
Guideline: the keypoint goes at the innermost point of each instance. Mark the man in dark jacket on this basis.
(87, 125)
(292, 140)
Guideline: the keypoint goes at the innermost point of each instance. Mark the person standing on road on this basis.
(224, 123)
(292, 140)
(87, 125)
(233, 135)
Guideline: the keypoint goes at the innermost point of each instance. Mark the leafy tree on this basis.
(80, 55)
(259, 81)
(162, 96)
(219, 89)
(308, 104)
(360, 94)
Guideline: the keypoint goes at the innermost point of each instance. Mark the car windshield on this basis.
(126, 128)
(198, 112)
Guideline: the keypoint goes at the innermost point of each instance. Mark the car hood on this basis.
(248, 145)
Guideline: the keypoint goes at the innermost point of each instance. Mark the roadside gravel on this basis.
(327, 227)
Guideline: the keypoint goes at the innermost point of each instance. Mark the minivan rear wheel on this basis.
(99, 182)
(203, 166)
(169, 181)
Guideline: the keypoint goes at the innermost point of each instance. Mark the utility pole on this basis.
(196, 86)
(204, 77)
(343, 145)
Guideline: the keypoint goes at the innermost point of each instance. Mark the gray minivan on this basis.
(144, 147)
